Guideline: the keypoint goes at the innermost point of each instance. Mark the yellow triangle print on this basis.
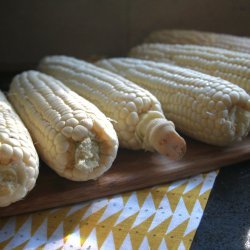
(143, 226)
(119, 234)
(42, 247)
(204, 198)
(154, 241)
(156, 235)
(87, 225)
(22, 246)
(157, 195)
(126, 197)
(174, 237)
(142, 195)
(70, 222)
(55, 219)
(4, 243)
(173, 200)
(122, 229)
(187, 239)
(166, 215)
(102, 232)
(137, 233)
(175, 194)
(104, 228)
(191, 197)
(38, 219)
(20, 220)
(162, 188)
(136, 239)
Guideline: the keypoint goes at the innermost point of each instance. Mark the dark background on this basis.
(31, 29)
(225, 224)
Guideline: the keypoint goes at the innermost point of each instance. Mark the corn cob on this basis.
(19, 163)
(229, 65)
(224, 41)
(206, 108)
(71, 135)
(137, 115)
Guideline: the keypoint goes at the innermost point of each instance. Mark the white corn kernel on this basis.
(194, 101)
(80, 132)
(225, 41)
(230, 65)
(67, 131)
(122, 101)
(17, 174)
(72, 122)
(18, 153)
(56, 134)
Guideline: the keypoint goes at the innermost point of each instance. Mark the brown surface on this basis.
(130, 171)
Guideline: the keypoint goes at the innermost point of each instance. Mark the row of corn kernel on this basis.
(57, 123)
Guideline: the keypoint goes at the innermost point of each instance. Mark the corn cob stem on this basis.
(224, 41)
(203, 107)
(161, 135)
(131, 108)
(19, 164)
(71, 135)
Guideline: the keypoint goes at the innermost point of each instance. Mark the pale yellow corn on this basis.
(19, 163)
(136, 114)
(71, 135)
(229, 65)
(224, 41)
(206, 108)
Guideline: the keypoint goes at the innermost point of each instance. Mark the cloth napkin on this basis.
(161, 217)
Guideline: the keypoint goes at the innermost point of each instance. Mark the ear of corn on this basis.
(229, 65)
(71, 135)
(224, 41)
(136, 114)
(19, 163)
(206, 108)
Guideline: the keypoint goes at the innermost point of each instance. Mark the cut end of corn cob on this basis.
(167, 141)
(12, 180)
(203, 107)
(71, 134)
(121, 100)
(87, 155)
(161, 135)
(19, 164)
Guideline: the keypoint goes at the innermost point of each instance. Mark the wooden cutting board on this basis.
(130, 171)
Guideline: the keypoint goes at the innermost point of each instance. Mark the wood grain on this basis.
(131, 170)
